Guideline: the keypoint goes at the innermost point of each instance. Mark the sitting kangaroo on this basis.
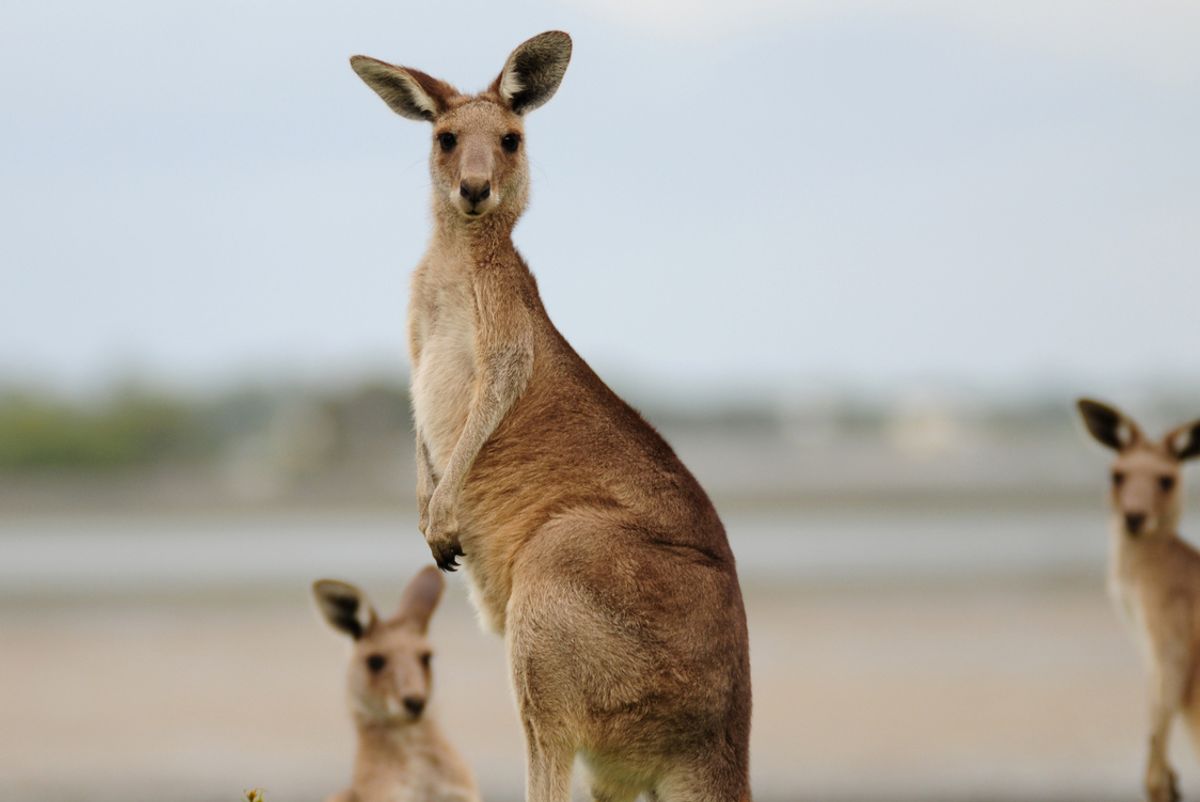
(588, 544)
(402, 754)
(1154, 575)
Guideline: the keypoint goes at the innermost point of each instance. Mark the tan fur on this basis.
(402, 755)
(1154, 576)
(588, 544)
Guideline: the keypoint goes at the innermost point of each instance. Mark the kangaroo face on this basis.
(478, 161)
(390, 674)
(1145, 491)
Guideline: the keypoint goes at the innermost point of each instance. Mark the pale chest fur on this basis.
(442, 334)
(1124, 577)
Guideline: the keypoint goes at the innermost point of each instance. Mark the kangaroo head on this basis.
(477, 157)
(1145, 489)
(389, 678)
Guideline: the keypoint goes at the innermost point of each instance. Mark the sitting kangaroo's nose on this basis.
(1134, 521)
(414, 704)
(475, 190)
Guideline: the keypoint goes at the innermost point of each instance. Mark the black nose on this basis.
(475, 191)
(1134, 521)
(414, 704)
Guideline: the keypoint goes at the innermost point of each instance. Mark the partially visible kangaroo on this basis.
(589, 545)
(402, 755)
(1154, 575)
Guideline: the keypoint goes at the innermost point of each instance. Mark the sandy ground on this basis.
(1001, 691)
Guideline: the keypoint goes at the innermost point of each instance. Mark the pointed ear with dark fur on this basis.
(533, 71)
(1108, 425)
(420, 599)
(408, 92)
(1184, 443)
(344, 606)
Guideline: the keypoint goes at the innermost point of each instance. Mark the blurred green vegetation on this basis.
(133, 427)
(301, 429)
(37, 431)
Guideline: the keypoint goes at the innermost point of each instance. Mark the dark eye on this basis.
(447, 140)
(425, 658)
(1167, 483)
(376, 662)
(1118, 478)
(510, 142)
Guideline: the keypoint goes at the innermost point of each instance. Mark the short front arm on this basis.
(504, 359)
(426, 483)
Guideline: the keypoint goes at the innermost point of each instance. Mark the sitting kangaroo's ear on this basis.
(410, 93)
(1184, 443)
(344, 606)
(1108, 425)
(533, 71)
(420, 599)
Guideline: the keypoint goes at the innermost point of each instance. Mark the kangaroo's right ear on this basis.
(1184, 442)
(410, 93)
(421, 598)
(344, 606)
(1108, 425)
(533, 71)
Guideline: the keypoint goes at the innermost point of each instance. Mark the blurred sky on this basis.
(725, 194)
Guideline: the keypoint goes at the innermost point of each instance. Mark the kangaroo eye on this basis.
(425, 658)
(1118, 478)
(447, 140)
(510, 142)
(376, 662)
(1167, 483)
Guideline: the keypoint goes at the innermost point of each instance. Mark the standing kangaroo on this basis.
(589, 545)
(1154, 575)
(402, 755)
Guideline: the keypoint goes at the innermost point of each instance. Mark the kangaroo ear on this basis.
(533, 71)
(1108, 425)
(344, 606)
(421, 598)
(1184, 442)
(410, 93)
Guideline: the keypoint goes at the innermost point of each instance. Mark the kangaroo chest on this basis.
(442, 320)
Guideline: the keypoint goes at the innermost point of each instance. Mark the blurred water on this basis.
(72, 555)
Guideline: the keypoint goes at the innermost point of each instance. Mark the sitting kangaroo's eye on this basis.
(1167, 483)
(1118, 478)
(376, 662)
(510, 142)
(425, 658)
(447, 140)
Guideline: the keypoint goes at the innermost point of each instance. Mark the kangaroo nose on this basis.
(475, 191)
(1134, 521)
(414, 705)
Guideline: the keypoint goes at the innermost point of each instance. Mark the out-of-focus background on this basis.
(854, 259)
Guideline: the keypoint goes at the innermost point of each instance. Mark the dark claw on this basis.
(447, 558)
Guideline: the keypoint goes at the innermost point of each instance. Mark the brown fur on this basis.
(1154, 575)
(589, 545)
(402, 755)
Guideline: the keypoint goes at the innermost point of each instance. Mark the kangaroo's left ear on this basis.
(1184, 442)
(408, 92)
(533, 72)
(344, 606)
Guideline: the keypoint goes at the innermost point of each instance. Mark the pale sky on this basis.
(759, 193)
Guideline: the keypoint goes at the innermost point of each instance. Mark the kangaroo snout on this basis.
(415, 705)
(475, 190)
(1134, 521)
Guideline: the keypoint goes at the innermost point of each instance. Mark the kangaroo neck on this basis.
(484, 244)
(389, 740)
